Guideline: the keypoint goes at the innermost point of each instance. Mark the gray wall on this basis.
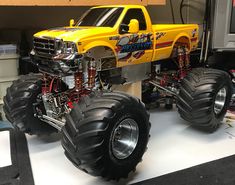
(193, 11)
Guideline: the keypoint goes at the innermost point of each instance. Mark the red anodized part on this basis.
(91, 75)
(45, 84)
(70, 105)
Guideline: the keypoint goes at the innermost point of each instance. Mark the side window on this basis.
(135, 14)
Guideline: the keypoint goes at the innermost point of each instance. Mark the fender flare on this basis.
(180, 36)
(99, 44)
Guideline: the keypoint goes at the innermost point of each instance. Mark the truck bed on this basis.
(167, 34)
(166, 27)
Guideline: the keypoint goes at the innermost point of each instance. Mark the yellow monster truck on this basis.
(105, 133)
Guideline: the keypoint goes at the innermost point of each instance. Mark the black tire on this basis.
(90, 127)
(18, 105)
(198, 95)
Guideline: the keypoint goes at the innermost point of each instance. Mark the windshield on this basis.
(100, 17)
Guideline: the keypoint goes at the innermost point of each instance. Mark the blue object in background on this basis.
(5, 126)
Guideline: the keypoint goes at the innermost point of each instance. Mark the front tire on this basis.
(204, 98)
(18, 105)
(106, 134)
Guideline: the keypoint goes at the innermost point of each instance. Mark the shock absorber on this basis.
(78, 77)
(76, 92)
(45, 84)
(187, 58)
(91, 74)
(180, 53)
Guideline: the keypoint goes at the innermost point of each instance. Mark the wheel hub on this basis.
(220, 100)
(125, 138)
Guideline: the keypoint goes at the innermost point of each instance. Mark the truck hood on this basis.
(74, 34)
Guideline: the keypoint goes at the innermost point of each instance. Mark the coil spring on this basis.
(91, 74)
(45, 84)
(78, 77)
(187, 57)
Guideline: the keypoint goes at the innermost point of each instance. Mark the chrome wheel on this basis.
(125, 138)
(220, 100)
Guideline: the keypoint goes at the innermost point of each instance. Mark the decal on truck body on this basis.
(164, 44)
(133, 46)
(160, 35)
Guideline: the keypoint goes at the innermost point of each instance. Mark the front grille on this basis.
(44, 46)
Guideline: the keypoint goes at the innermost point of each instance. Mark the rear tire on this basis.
(18, 105)
(204, 98)
(94, 128)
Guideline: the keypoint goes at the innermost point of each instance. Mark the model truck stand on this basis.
(105, 133)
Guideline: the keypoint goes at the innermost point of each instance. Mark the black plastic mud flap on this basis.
(20, 172)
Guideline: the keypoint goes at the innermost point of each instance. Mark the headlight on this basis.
(64, 47)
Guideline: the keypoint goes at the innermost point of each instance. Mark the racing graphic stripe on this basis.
(164, 44)
(65, 29)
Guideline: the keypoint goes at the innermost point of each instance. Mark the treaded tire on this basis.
(88, 132)
(18, 105)
(197, 97)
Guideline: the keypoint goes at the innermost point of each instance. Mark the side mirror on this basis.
(71, 22)
(134, 26)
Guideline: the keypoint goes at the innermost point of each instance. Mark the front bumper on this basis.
(57, 64)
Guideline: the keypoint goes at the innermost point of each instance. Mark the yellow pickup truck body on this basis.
(156, 42)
